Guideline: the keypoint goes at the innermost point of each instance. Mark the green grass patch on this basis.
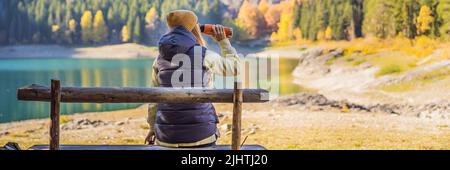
(358, 62)
(330, 61)
(389, 69)
(391, 62)
(436, 75)
(349, 59)
(340, 57)
(412, 65)
(421, 81)
(144, 126)
(64, 119)
(16, 135)
(132, 141)
(400, 87)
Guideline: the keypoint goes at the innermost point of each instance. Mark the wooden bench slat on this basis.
(140, 95)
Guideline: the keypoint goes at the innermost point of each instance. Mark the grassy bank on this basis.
(394, 59)
(393, 55)
(423, 81)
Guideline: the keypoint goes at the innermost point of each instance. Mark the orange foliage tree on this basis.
(272, 17)
(250, 20)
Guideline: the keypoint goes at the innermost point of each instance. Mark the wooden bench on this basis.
(57, 94)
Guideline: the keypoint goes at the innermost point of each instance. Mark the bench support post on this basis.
(54, 114)
(237, 114)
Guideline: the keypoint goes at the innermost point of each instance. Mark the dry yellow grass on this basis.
(290, 129)
(432, 79)
(275, 128)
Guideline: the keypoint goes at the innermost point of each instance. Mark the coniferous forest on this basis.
(92, 22)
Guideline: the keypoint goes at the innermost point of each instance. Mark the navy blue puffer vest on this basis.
(183, 123)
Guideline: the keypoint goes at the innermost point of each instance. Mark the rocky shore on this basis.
(320, 102)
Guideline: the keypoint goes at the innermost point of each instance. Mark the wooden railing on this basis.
(57, 94)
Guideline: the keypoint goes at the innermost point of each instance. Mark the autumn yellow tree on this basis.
(151, 17)
(263, 6)
(328, 33)
(286, 24)
(55, 28)
(321, 35)
(152, 25)
(56, 33)
(100, 28)
(424, 20)
(86, 26)
(69, 33)
(250, 20)
(125, 34)
(298, 34)
(72, 26)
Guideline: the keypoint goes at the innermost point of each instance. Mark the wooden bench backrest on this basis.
(57, 94)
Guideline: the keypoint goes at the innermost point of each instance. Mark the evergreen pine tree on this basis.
(137, 31)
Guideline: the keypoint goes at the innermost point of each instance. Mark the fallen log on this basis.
(140, 95)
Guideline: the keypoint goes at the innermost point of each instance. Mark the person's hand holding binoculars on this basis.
(219, 33)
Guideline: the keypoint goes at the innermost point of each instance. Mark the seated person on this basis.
(188, 125)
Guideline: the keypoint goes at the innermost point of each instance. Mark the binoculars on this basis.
(208, 29)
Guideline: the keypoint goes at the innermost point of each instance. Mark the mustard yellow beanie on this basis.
(184, 18)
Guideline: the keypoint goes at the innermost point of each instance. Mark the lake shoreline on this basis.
(120, 51)
(124, 51)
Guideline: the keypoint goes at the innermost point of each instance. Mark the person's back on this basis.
(182, 123)
(184, 61)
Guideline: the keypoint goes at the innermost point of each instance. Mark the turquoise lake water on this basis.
(16, 73)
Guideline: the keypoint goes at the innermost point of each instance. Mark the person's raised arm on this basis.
(222, 64)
